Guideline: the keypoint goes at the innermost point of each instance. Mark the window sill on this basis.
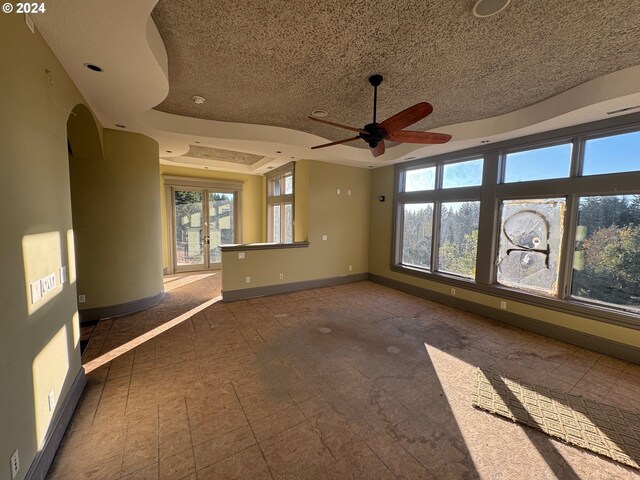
(569, 306)
(243, 247)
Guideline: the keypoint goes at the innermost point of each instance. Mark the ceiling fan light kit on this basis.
(375, 133)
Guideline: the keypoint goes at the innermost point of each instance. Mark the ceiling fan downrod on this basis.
(375, 81)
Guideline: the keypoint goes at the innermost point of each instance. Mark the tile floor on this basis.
(353, 381)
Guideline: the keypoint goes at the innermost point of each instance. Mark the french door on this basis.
(203, 219)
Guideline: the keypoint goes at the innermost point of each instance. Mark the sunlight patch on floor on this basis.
(130, 345)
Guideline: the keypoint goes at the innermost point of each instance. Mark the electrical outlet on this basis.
(247, 279)
(338, 191)
(349, 193)
(503, 305)
(241, 255)
(82, 298)
(51, 400)
(15, 464)
(324, 237)
(453, 292)
(281, 276)
(350, 268)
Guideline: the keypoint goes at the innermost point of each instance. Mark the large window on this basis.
(280, 204)
(428, 213)
(458, 238)
(530, 243)
(555, 223)
(606, 261)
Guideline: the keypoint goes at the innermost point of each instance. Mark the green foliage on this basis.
(416, 236)
(611, 268)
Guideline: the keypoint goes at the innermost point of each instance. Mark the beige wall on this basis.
(39, 349)
(321, 211)
(380, 259)
(116, 219)
(253, 216)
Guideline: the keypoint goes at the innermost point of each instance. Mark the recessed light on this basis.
(197, 141)
(169, 151)
(269, 168)
(93, 67)
(485, 141)
(206, 168)
(293, 157)
(320, 113)
(119, 125)
(278, 151)
(487, 8)
(198, 100)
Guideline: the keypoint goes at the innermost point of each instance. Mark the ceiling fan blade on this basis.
(406, 117)
(408, 136)
(336, 143)
(379, 150)
(353, 129)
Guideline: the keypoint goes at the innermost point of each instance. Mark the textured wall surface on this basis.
(274, 62)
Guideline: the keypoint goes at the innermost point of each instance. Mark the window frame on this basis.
(282, 199)
(493, 191)
(437, 196)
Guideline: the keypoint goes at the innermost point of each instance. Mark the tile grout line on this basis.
(252, 432)
(193, 451)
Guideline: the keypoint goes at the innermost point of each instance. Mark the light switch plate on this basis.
(48, 283)
(324, 237)
(36, 292)
(241, 255)
(82, 298)
(51, 400)
(63, 275)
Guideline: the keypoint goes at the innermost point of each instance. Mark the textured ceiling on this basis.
(272, 62)
(221, 155)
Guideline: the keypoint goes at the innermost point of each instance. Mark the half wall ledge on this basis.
(243, 247)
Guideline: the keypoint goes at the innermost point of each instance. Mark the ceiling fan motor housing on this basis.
(374, 134)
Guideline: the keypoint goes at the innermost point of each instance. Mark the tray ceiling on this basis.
(274, 62)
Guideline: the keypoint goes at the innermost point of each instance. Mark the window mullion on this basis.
(435, 235)
(488, 222)
(568, 247)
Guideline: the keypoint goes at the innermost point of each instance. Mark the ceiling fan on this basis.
(392, 128)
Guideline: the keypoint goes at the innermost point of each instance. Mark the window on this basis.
(426, 211)
(514, 243)
(280, 204)
(416, 236)
(458, 238)
(420, 180)
(538, 164)
(530, 240)
(462, 174)
(606, 261)
(613, 154)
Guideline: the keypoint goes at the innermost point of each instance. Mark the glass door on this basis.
(203, 220)
(189, 240)
(221, 224)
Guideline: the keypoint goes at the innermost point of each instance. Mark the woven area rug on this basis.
(594, 426)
